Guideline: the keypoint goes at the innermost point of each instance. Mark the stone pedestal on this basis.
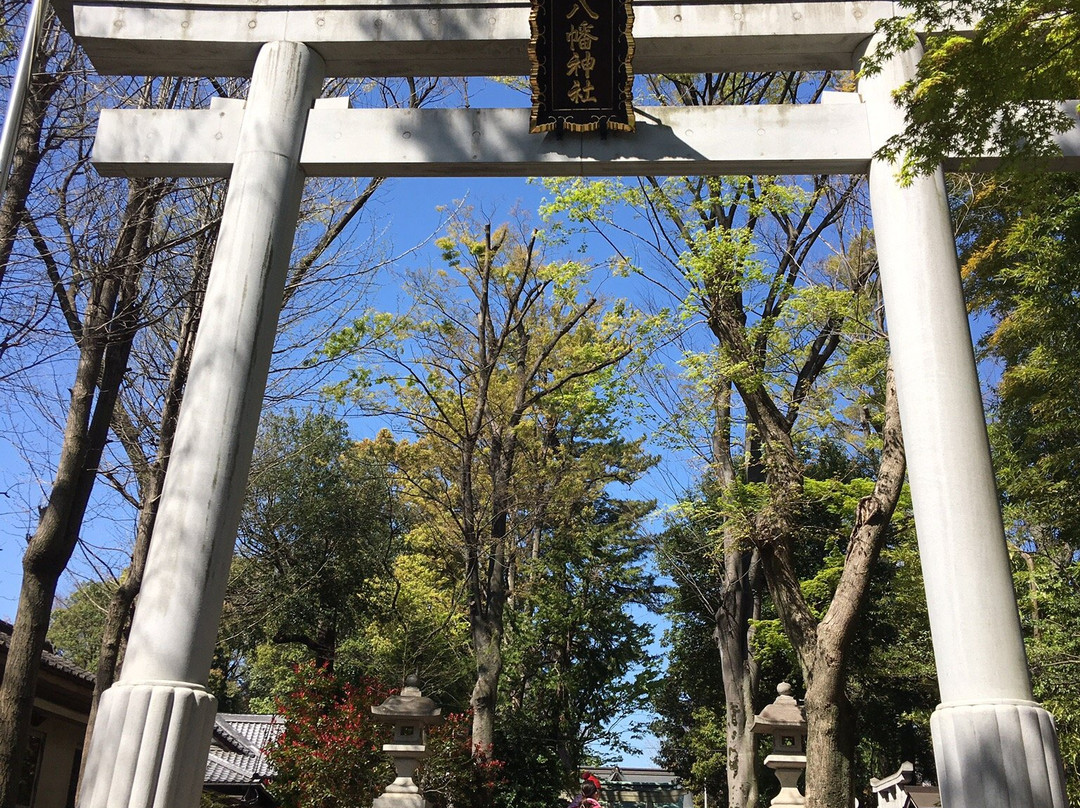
(997, 755)
(994, 746)
(399, 800)
(788, 769)
(151, 740)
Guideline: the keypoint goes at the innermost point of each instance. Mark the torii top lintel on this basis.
(454, 37)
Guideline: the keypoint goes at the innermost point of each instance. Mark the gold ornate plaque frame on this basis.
(581, 54)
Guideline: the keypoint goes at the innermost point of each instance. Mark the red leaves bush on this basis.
(330, 752)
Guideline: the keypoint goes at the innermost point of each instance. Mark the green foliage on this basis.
(994, 90)
(1047, 588)
(689, 698)
(78, 620)
(454, 773)
(1021, 241)
(321, 524)
(275, 672)
(577, 656)
(534, 774)
(422, 629)
(208, 799)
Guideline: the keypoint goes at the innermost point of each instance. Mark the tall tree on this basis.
(577, 648)
(320, 524)
(105, 307)
(492, 338)
(744, 257)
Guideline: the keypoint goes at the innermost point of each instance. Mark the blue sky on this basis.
(406, 214)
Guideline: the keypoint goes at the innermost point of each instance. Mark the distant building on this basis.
(237, 767)
(57, 727)
(905, 789)
(641, 788)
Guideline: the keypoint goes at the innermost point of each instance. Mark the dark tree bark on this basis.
(108, 326)
(28, 152)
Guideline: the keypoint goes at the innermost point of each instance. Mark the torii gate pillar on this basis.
(154, 726)
(995, 746)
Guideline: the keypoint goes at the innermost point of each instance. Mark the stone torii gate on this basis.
(995, 747)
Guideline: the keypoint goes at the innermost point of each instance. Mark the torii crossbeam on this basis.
(995, 747)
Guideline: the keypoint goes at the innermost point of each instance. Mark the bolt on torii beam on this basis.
(995, 746)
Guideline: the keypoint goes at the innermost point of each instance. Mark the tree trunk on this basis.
(108, 329)
(487, 645)
(830, 742)
(488, 625)
(45, 559)
(739, 671)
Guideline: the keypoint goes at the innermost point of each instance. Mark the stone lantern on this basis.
(785, 722)
(410, 714)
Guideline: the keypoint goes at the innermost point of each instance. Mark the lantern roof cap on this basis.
(783, 714)
(409, 704)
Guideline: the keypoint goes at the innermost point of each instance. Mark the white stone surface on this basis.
(150, 746)
(997, 755)
(770, 139)
(153, 731)
(788, 769)
(363, 38)
(973, 618)
(175, 626)
(496, 142)
(399, 800)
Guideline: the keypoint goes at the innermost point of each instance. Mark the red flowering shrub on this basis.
(454, 774)
(330, 753)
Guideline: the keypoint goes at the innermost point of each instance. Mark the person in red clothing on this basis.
(590, 787)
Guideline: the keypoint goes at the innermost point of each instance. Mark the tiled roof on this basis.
(640, 788)
(259, 730)
(229, 737)
(238, 750)
(48, 658)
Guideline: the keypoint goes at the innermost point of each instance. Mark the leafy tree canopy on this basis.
(992, 78)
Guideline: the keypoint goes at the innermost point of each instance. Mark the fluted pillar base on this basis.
(149, 746)
(997, 754)
(400, 800)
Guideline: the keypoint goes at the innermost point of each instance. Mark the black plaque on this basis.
(582, 78)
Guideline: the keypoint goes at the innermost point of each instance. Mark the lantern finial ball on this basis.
(784, 689)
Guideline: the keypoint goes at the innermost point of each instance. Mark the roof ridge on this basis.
(226, 764)
(233, 737)
(254, 718)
